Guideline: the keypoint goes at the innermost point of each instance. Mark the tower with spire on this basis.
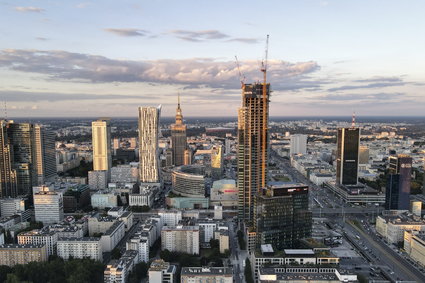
(178, 136)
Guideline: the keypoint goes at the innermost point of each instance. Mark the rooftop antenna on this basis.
(353, 120)
(178, 99)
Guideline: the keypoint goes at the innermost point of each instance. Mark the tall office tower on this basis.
(8, 184)
(217, 162)
(168, 157)
(148, 144)
(187, 157)
(282, 216)
(397, 194)
(21, 137)
(298, 144)
(101, 140)
(347, 159)
(423, 187)
(178, 137)
(252, 150)
(45, 154)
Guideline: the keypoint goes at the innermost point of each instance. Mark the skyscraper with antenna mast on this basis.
(178, 137)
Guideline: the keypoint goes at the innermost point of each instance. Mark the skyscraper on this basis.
(178, 137)
(8, 185)
(252, 146)
(397, 194)
(45, 154)
(21, 138)
(101, 141)
(347, 160)
(282, 216)
(148, 144)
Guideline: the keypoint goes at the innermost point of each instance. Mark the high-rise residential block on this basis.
(298, 144)
(397, 193)
(148, 144)
(347, 160)
(252, 146)
(178, 137)
(101, 141)
(282, 217)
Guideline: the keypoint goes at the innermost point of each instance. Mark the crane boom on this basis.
(241, 76)
(265, 122)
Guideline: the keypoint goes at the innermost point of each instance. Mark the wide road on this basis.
(398, 264)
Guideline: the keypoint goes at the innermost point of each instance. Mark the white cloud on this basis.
(29, 9)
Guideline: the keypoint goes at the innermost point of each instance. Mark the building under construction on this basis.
(253, 141)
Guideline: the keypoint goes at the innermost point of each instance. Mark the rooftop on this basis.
(225, 271)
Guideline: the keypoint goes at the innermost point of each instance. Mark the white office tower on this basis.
(148, 144)
(298, 144)
(48, 206)
(101, 141)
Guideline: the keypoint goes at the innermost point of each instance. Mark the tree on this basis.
(248, 271)
(215, 244)
(139, 272)
(165, 255)
(116, 253)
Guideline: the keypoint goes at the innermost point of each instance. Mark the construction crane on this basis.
(241, 76)
(265, 124)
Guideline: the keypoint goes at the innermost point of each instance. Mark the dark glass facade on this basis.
(397, 194)
(282, 217)
(348, 142)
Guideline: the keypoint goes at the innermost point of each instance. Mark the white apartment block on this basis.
(125, 173)
(183, 239)
(141, 246)
(298, 144)
(207, 229)
(206, 274)
(102, 200)
(98, 180)
(43, 236)
(171, 218)
(11, 206)
(145, 198)
(112, 236)
(80, 248)
(99, 224)
(48, 206)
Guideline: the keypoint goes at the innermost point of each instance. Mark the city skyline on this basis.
(93, 59)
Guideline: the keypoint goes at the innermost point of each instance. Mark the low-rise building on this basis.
(104, 199)
(43, 236)
(304, 274)
(206, 274)
(99, 224)
(12, 254)
(80, 248)
(392, 227)
(183, 239)
(267, 256)
(161, 271)
(67, 231)
(117, 271)
(414, 245)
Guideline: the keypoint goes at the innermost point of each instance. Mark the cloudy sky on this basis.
(105, 58)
